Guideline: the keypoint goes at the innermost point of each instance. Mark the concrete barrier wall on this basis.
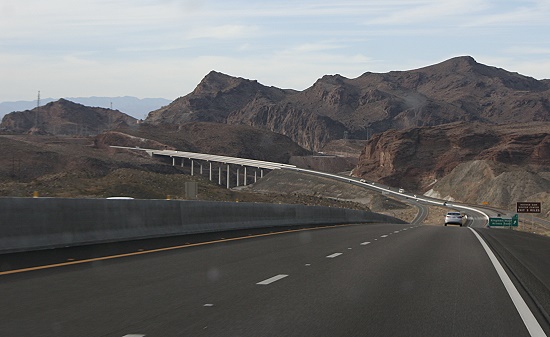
(37, 223)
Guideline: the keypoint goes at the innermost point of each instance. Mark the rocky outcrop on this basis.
(64, 117)
(493, 183)
(417, 158)
(214, 99)
(335, 107)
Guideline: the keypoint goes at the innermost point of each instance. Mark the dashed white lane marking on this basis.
(396, 232)
(364, 243)
(525, 313)
(308, 264)
(331, 256)
(133, 335)
(272, 279)
(384, 236)
(208, 305)
(349, 248)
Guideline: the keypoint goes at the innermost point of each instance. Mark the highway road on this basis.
(352, 280)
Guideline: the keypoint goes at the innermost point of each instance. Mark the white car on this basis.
(453, 218)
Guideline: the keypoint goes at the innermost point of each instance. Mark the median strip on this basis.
(157, 250)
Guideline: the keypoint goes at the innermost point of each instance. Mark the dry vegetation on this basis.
(73, 167)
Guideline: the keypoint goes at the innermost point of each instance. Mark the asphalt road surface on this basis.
(354, 280)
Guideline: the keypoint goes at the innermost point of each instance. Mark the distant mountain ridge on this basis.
(335, 107)
(133, 106)
(64, 117)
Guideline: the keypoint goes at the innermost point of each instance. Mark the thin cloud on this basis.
(222, 32)
(164, 47)
(428, 11)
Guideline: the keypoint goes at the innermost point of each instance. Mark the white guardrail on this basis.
(388, 190)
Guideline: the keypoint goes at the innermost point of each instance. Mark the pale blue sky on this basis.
(163, 48)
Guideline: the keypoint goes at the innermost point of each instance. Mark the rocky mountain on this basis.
(133, 106)
(64, 117)
(465, 161)
(335, 107)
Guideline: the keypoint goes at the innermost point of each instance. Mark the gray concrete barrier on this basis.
(38, 223)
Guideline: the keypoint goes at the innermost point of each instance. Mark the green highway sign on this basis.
(504, 222)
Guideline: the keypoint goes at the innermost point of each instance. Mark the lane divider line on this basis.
(272, 279)
(332, 256)
(384, 236)
(364, 243)
(157, 250)
(531, 323)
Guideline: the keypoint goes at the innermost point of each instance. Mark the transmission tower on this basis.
(37, 109)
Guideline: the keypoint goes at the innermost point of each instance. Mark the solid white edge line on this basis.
(272, 279)
(531, 323)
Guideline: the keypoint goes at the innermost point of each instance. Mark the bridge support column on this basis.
(261, 173)
(255, 176)
(173, 161)
(200, 168)
(182, 162)
(238, 174)
(210, 171)
(220, 174)
(227, 176)
(192, 167)
(244, 176)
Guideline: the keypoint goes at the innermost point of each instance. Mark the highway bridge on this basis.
(377, 279)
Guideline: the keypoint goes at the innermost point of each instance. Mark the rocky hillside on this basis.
(64, 117)
(471, 162)
(335, 107)
(494, 183)
(59, 166)
(213, 138)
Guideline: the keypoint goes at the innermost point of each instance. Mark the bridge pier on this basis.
(246, 164)
(227, 180)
